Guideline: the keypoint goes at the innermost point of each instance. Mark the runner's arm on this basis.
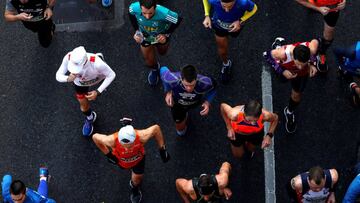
(307, 4)
(152, 131)
(5, 188)
(272, 118)
(270, 59)
(229, 114)
(341, 53)
(104, 142)
(132, 17)
(207, 7)
(252, 8)
(173, 26)
(109, 75)
(51, 4)
(60, 74)
(167, 78)
(353, 192)
(224, 174)
(10, 13)
(334, 177)
(184, 188)
(211, 88)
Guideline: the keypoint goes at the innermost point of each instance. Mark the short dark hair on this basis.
(227, 1)
(148, 3)
(301, 53)
(316, 174)
(189, 73)
(206, 184)
(253, 108)
(17, 187)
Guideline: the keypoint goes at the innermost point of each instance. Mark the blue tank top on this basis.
(222, 19)
(354, 64)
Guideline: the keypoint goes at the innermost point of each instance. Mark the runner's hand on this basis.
(207, 22)
(138, 38)
(71, 77)
(231, 134)
(288, 75)
(341, 5)
(206, 107)
(331, 198)
(169, 99)
(24, 16)
(164, 154)
(48, 13)
(91, 95)
(313, 71)
(235, 26)
(324, 10)
(266, 142)
(161, 38)
(227, 193)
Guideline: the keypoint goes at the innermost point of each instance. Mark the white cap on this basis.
(77, 59)
(126, 135)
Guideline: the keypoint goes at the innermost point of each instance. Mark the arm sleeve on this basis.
(273, 63)
(174, 26)
(9, 6)
(250, 11)
(109, 75)
(353, 192)
(5, 188)
(60, 74)
(133, 21)
(167, 77)
(207, 7)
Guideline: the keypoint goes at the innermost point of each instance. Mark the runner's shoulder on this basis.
(135, 8)
(205, 83)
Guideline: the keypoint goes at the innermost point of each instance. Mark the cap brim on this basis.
(74, 68)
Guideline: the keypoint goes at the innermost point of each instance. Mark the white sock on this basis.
(43, 178)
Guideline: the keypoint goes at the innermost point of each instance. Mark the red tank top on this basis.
(242, 126)
(128, 157)
(289, 63)
(325, 2)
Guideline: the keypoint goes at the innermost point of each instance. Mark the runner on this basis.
(295, 62)
(227, 18)
(353, 192)
(153, 24)
(185, 90)
(206, 188)
(86, 70)
(36, 15)
(316, 185)
(16, 191)
(245, 125)
(125, 149)
(348, 60)
(330, 9)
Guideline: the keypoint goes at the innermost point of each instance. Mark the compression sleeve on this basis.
(167, 77)
(60, 74)
(249, 12)
(133, 21)
(104, 69)
(268, 57)
(207, 7)
(5, 188)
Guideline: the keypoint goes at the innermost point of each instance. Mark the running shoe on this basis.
(279, 41)
(153, 77)
(135, 194)
(88, 125)
(226, 72)
(290, 124)
(106, 3)
(44, 172)
(321, 64)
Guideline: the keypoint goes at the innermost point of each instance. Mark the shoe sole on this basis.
(287, 130)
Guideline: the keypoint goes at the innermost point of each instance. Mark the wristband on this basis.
(271, 135)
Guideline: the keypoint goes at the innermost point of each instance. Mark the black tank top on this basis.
(34, 7)
(311, 196)
(216, 198)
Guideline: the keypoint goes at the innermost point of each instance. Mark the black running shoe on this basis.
(135, 194)
(226, 73)
(279, 41)
(290, 124)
